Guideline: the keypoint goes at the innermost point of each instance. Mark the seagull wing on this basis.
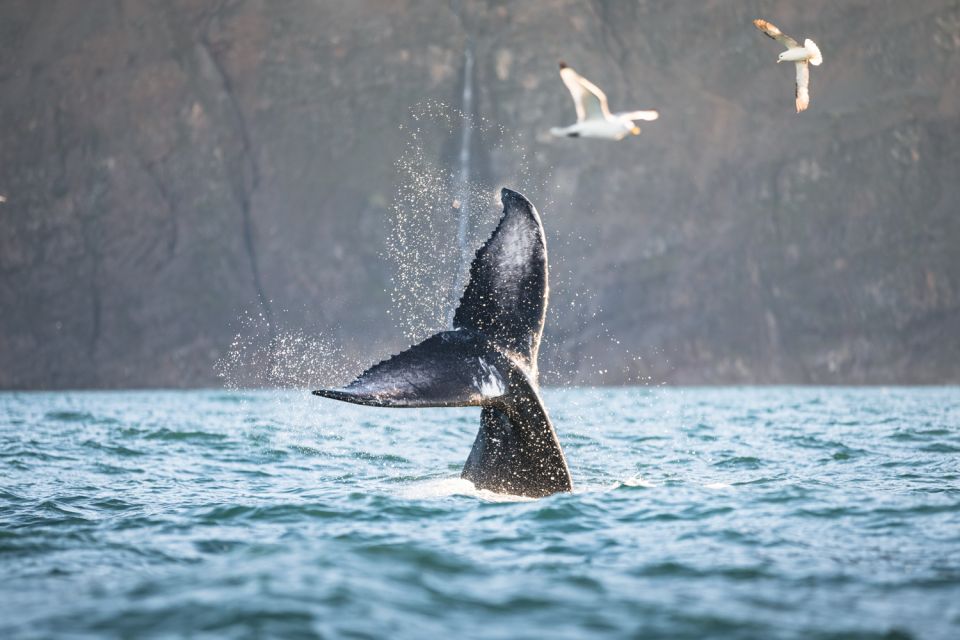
(591, 103)
(803, 86)
(776, 34)
(649, 115)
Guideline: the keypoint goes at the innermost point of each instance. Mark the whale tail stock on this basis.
(489, 359)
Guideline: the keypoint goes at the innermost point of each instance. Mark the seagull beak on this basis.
(635, 131)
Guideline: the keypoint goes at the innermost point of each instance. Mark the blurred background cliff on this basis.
(171, 166)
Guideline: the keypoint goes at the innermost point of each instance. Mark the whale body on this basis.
(488, 360)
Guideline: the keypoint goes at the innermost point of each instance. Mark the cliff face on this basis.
(170, 166)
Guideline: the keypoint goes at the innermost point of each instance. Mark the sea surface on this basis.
(698, 513)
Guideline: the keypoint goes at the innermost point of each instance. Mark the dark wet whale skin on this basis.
(489, 359)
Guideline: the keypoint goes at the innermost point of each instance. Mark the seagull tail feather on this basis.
(816, 59)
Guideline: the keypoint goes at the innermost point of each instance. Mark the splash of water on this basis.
(449, 487)
(290, 360)
(273, 366)
(466, 136)
(440, 214)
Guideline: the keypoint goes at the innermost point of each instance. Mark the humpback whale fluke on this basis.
(488, 359)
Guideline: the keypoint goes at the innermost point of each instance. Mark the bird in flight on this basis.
(594, 119)
(803, 56)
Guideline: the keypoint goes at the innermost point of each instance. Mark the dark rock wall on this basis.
(169, 166)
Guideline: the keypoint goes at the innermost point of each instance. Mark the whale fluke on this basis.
(489, 359)
(506, 298)
(449, 369)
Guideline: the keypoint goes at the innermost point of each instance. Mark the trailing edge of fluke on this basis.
(489, 360)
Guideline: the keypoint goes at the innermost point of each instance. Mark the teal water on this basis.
(741, 513)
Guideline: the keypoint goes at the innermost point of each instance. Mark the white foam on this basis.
(718, 485)
(447, 487)
(633, 481)
(637, 481)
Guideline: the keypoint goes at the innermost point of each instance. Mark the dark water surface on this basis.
(750, 513)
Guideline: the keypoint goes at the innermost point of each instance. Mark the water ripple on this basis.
(754, 513)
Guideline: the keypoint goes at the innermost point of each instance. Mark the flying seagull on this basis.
(809, 52)
(594, 119)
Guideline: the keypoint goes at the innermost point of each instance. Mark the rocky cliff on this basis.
(171, 166)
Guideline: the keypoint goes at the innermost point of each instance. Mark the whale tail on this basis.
(488, 359)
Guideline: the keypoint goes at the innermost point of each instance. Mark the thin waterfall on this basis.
(463, 179)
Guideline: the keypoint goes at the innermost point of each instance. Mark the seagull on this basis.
(594, 119)
(809, 52)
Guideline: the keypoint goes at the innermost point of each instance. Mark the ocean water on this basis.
(740, 513)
